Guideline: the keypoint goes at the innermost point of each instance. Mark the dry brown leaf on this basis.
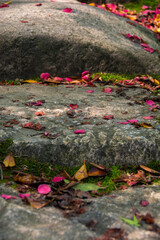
(149, 169)
(81, 173)
(95, 172)
(9, 161)
(38, 203)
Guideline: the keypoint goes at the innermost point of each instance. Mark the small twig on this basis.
(1, 172)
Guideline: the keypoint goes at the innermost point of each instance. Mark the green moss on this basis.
(113, 76)
(4, 145)
(137, 5)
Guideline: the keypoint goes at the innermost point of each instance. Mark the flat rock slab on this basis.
(19, 221)
(36, 39)
(104, 141)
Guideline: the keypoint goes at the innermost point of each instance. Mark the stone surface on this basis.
(19, 221)
(68, 43)
(104, 141)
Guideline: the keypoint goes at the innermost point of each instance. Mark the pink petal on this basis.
(68, 79)
(46, 133)
(44, 189)
(144, 203)
(73, 106)
(148, 118)
(23, 195)
(84, 73)
(68, 10)
(107, 90)
(108, 117)
(145, 7)
(2, 5)
(149, 49)
(128, 35)
(132, 183)
(58, 79)
(58, 179)
(144, 45)
(28, 125)
(86, 77)
(123, 122)
(7, 196)
(44, 76)
(79, 131)
(150, 102)
(90, 91)
(132, 120)
(39, 113)
(39, 4)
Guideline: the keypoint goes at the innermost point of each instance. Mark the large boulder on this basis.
(35, 39)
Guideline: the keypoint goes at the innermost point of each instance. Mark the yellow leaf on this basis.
(131, 17)
(30, 81)
(81, 173)
(9, 161)
(92, 4)
(146, 125)
(156, 82)
(148, 169)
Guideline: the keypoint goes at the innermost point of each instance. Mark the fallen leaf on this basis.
(30, 80)
(81, 173)
(9, 161)
(95, 172)
(112, 234)
(133, 222)
(87, 187)
(25, 179)
(44, 189)
(37, 203)
(149, 169)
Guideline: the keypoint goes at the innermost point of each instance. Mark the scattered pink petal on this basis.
(148, 118)
(73, 106)
(153, 107)
(111, 6)
(28, 125)
(39, 113)
(107, 90)
(23, 195)
(7, 196)
(90, 91)
(39, 4)
(46, 133)
(44, 76)
(145, 7)
(86, 77)
(108, 117)
(2, 5)
(58, 79)
(144, 203)
(149, 49)
(132, 120)
(123, 122)
(85, 73)
(150, 102)
(132, 183)
(44, 189)
(68, 10)
(68, 79)
(128, 35)
(58, 179)
(79, 131)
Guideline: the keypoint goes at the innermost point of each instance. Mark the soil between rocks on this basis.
(104, 141)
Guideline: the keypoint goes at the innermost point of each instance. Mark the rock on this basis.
(36, 39)
(19, 221)
(104, 141)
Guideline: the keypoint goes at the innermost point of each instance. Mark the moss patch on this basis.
(137, 5)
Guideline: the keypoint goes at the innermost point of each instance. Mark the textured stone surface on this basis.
(104, 141)
(18, 221)
(68, 43)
